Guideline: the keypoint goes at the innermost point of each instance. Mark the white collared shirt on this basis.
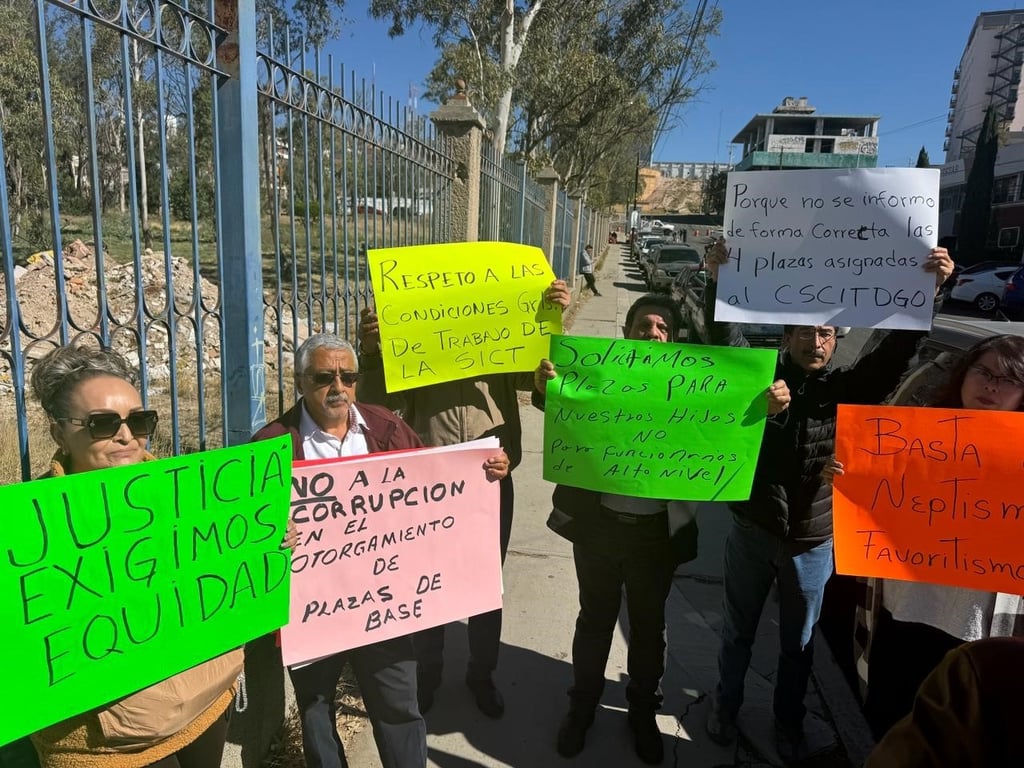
(317, 444)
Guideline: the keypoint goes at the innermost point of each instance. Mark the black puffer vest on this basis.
(788, 497)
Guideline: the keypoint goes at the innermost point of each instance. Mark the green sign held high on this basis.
(116, 579)
(661, 421)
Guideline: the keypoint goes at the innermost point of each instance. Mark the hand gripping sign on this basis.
(461, 310)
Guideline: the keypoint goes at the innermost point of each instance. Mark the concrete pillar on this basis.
(548, 179)
(579, 237)
(458, 121)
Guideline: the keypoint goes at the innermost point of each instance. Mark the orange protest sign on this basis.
(931, 494)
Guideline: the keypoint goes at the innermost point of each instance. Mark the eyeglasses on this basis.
(1000, 382)
(810, 334)
(326, 378)
(103, 426)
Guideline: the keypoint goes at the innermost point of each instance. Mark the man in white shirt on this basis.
(326, 423)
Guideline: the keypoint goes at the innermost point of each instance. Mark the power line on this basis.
(913, 125)
(691, 38)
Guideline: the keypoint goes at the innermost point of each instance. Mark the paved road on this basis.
(540, 609)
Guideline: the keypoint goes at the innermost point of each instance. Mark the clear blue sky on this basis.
(892, 58)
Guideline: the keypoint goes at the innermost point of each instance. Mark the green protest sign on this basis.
(656, 420)
(115, 579)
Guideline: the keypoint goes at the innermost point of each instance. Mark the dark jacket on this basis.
(788, 497)
(453, 412)
(385, 431)
(574, 509)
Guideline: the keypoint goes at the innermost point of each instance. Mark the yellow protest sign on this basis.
(461, 310)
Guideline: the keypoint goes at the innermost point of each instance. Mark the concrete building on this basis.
(988, 75)
(795, 135)
(686, 170)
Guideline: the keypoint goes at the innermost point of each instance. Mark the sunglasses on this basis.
(103, 426)
(326, 378)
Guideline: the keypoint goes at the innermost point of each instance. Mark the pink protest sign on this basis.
(390, 544)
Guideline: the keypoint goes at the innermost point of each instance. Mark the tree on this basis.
(550, 68)
(607, 84)
(973, 229)
(495, 33)
(713, 192)
(922, 159)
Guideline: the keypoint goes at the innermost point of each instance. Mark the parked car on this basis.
(982, 288)
(981, 266)
(940, 351)
(1012, 305)
(690, 292)
(644, 253)
(665, 263)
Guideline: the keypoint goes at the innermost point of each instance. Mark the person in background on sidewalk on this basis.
(967, 713)
(783, 534)
(625, 541)
(587, 268)
(447, 414)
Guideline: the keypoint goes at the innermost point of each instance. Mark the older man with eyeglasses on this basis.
(783, 533)
(326, 423)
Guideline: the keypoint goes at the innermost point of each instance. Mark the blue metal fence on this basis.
(203, 209)
(502, 188)
(534, 212)
(170, 156)
(108, 245)
(565, 223)
(586, 236)
(344, 170)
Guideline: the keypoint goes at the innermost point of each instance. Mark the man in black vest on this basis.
(784, 532)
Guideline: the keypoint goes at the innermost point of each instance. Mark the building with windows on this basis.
(795, 135)
(687, 170)
(988, 76)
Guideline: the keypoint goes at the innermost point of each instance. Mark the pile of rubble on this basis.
(40, 312)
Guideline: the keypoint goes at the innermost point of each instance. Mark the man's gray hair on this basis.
(315, 342)
(56, 375)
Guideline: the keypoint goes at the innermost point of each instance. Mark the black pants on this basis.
(386, 672)
(838, 622)
(589, 277)
(614, 553)
(205, 752)
(484, 629)
(903, 654)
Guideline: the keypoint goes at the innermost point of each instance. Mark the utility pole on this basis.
(636, 186)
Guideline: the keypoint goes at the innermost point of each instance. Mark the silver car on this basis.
(666, 262)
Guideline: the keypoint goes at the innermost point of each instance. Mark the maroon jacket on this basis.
(385, 431)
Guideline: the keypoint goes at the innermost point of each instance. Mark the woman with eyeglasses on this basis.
(98, 421)
(915, 623)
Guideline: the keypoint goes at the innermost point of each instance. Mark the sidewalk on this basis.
(540, 612)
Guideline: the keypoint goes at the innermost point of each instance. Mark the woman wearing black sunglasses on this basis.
(98, 421)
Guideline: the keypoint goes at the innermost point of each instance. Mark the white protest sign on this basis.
(830, 247)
